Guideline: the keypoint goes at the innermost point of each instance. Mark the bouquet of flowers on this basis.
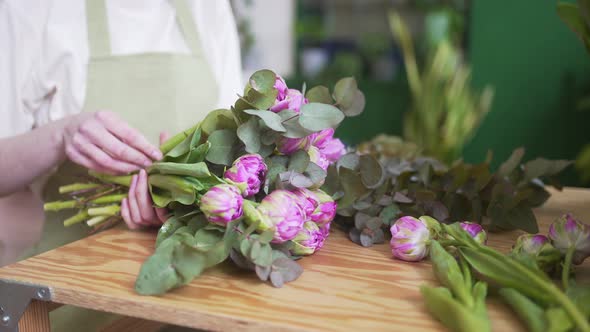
(243, 183)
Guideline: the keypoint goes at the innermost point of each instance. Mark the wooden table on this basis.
(344, 286)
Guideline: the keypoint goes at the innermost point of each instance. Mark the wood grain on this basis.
(35, 318)
(344, 287)
(131, 324)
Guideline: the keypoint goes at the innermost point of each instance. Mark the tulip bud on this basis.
(330, 148)
(292, 100)
(288, 146)
(281, 87)
(247, 173)
(475, 231)
(537, 248)
(307, 200)
(316, 157)
(567, 232)
(410, 239)
(309, 239)
(325, 210)
(281, 210)
(222, 204)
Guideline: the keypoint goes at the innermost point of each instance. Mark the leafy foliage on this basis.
(386, 188)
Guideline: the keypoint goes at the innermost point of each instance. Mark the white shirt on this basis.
(44, 51)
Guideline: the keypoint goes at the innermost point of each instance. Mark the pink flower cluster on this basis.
(322, 147)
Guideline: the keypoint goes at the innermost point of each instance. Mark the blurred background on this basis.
(456, 77)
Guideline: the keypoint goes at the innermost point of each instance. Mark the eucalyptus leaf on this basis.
(249, 134)
(345, 91)
(298, 161)
(372, 172)
(218, 120)
(271, 119)
(357, 107)
(316, 117)
(319, 94)
(198, 154)
(223, 145)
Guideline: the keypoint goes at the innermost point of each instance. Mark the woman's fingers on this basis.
(164, 136)
(144, 201)
(132, 201)
(128, 135)
(80, 159)
(101, 158)
(102, 138)
(125, 213)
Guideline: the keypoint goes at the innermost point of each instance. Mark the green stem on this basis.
(95, 221)
(60, 205)
(567, 264)
(176, 139)
(78, 218)
(552, 290)
(77, 187)
(124, 180)
(115, 198)
(110, 210)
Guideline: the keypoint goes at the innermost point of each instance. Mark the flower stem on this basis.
(78, 218)
(60, 205)
(567, 264)
(77, 187)
(176, 139)
(124, 180)
(110, 210)
(115, 198)
(95, 221)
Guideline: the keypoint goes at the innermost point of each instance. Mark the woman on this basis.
(95, 82)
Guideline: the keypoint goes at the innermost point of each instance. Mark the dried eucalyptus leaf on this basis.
(361, 205)
(511, 163)
(316, 117)
(366, 240)
(350, 160)
(541, 167)
(399, 197)
(263, 272)
(240, 260)
(288, 268)
(378, 236)
(276, 279)
(360, 220)
(372, 173)
(355, 235)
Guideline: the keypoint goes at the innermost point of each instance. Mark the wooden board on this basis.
(344, 286)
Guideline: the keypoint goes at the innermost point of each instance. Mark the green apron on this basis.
(152, 92)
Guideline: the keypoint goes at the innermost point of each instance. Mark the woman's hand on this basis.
(103, 142)
(137, 209)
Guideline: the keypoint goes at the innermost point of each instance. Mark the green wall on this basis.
(539, 69)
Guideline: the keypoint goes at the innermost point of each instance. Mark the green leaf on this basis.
(372, 173)
(175, 188)
(266, 236)
(557, 320)
(571, 15)
(290, 120)
(264, 255)
(345, 91)
(218, 120)
(298, 161)
(270, 119)
(157, 275)
(319, 94)
(511, 163)
(350, 160)
(315, 173)
(449, 274)
(223, 144)
(167, 229)
(528, 311)
(197, 170)
(198, 154)
(180, 149)
(245, 246)
(353, 187)
(315, 116)
(389, 214)
(249, 134)
(207, 238)
(263, 80)
(450, 312)
(187, 260)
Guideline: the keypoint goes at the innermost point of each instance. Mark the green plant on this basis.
(446, 112)
(577, 17)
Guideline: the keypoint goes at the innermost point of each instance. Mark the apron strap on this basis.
(99, 41)
(187, 26)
